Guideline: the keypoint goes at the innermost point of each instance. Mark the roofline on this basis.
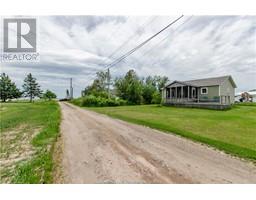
(233, 82)
(229, 77)
(181, 82)
(185, 82)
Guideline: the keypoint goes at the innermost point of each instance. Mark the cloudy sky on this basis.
(194, 47)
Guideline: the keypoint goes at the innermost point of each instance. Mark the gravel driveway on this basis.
(99, 149)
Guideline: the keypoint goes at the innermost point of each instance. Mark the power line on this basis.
(135, 49)
(157, 44)
(141, 44)
(173, 56)
(141, 27)
(173, 33)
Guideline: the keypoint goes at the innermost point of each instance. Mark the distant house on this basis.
(208, 92)
(249, 96)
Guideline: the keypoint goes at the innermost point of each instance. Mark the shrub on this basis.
(74, 101)
(112, 102)
(122, 102)
(156, 98)
(92, 100)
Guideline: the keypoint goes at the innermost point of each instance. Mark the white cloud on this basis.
(195, 47)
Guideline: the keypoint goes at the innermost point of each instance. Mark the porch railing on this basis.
(201, 100)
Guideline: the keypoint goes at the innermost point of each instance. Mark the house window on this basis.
(204, 90)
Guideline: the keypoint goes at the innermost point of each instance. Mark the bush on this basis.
(112, 102)
(94, 101)
(91, 101)
(122, 102)
(74, 101)
(156, 98)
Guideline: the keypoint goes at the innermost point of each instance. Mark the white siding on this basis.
(227, 89)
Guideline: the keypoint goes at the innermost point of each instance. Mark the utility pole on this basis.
(108, 79)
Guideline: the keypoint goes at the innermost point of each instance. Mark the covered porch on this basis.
(178, 92)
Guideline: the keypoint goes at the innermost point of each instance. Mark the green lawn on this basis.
(233, 131)
(28, 133)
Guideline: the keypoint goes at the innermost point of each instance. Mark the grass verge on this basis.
(41, 116)
(232, 131)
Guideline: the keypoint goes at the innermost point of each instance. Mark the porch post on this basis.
(176, 93)
(188, 92)
(181, 93)
(197, 95)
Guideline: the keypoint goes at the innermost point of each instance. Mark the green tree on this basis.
(160, 82)
(99, 85)
(31, 88)
(49, 95)
(129, 87)
(149, 88)
(8, 89)
(156, 97)
(152, 88)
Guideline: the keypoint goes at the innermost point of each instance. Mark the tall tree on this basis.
(31, 88)
(129, 87)
(149, 88)
(102, 78)
(99, 85)
(152, 88)
(8, 89)
(160, 82)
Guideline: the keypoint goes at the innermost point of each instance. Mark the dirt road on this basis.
(99, 149)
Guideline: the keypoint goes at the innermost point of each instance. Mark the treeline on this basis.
(30, 89)
(127, 90)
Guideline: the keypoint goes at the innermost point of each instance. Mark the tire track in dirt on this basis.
(99, 149)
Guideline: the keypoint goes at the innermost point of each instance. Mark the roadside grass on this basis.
(28, 133)
(233, 131)
(247, 104)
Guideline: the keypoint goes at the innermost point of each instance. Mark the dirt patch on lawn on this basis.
(16, 147)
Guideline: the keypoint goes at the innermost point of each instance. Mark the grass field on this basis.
(28, 133)
(233, 131)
